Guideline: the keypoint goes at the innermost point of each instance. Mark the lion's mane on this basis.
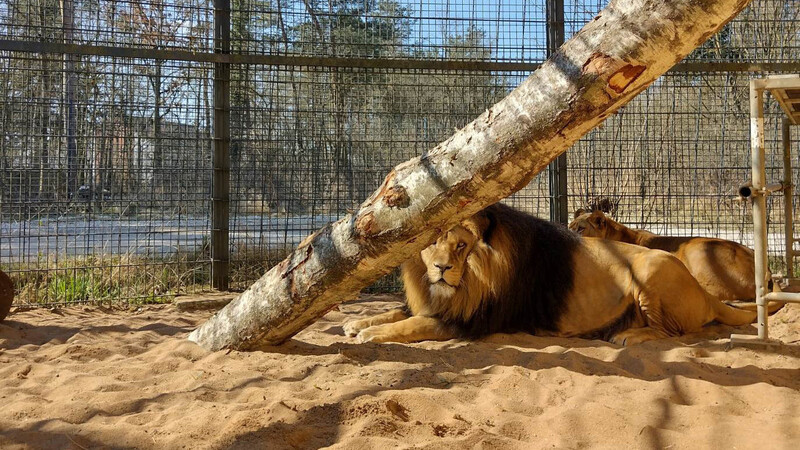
(516, 278)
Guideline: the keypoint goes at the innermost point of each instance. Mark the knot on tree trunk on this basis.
(618, 73)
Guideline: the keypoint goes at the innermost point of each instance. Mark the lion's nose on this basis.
(442, 267)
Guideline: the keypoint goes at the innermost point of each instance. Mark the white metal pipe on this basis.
(772, 188)
(746, 190)
(759, 202)
(791, 297)
(788, 81)
(788, 188)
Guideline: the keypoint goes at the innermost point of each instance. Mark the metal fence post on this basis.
(221, 159)
(759, 181)
(557, 171)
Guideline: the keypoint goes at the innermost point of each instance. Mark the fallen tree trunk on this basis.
(613, 58)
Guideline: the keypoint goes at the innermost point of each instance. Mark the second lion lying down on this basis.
(506, 271)
(725, 269)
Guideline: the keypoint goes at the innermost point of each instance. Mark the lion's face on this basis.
(590, 224)
(446, 259)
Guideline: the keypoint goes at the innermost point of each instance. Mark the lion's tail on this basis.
(742, 314)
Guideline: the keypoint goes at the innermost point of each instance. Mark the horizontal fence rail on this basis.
(365, 63)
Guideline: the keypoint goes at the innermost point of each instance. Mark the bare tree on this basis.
(70, 114)
(157, 26)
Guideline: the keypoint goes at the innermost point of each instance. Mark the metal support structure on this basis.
(760, 189)
(759, 203)
(557, 171)
(221, 159)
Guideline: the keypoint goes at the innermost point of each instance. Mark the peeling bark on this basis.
(613, 58)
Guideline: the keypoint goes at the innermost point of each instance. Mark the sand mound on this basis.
(88, 378)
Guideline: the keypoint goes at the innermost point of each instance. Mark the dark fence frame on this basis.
(223, 58)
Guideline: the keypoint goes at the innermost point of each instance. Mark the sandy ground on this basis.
(89, 378)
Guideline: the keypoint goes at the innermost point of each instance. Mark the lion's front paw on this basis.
(633, 336)
(353, 327)
(617, 340)
(373, 334)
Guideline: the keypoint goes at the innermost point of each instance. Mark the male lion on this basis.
(505, 271)
(725, 269)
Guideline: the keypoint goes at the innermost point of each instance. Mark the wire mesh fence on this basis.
(107, 122)
(110, 204)
(672, 159)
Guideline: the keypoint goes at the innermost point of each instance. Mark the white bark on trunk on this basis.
(613, 58)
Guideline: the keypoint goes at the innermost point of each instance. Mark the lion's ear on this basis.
(480, 225)
(578, 213)
(599, 219)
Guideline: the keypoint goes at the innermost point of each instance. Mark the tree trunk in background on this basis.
(44, 126)
(617, 55)
(158, 149)
(70, 119)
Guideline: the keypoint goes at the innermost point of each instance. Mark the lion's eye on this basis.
(461, 245)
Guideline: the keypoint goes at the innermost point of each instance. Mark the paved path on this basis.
(22, 241)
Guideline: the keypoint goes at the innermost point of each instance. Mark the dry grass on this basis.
(129, 279)
(108, 279)
(119, 280)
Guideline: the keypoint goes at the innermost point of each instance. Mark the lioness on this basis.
(725, 269)
(505, 271)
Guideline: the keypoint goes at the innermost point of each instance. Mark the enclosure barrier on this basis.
(786, 90)
(151, 149)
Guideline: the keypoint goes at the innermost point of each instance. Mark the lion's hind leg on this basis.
(353, 327)
(633, 336)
